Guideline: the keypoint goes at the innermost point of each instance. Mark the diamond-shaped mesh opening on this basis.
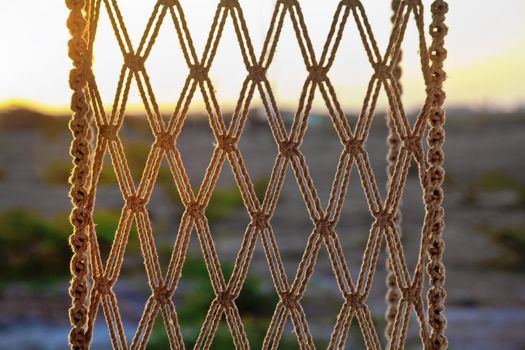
(228, 219)
(321, 135)
(214, 203)
(322, 20)
(322, 300)
(412, 81)
(378, 150)
(257, 299)
(135, 16)
(354, 224)
(107, 60)
(131, 289)
(194, 294)
(355, 338)
(195, 145)
(351, 71)
(412, 219)
(258, 148)
(286, 78)
(258, 17)
(165, 210)
(227, 82)
(137, 152)
(166, 66)
(198, 19)
(291, 224)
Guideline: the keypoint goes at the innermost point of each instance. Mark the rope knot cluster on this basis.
(354, 147)
(257, 73)
(195, 210)
(225, 299)
(226, 143)
(351, 3)
(229, 3)
(355, 300)
(382, 70)
(103, 285)
(384, 218)
(413, 144)
(165, 140)
(288, 3)
(134, 62)
(198, 72)
(108, 131)
(162, 294)
(317, 73)
(411, 294)
(79, 242)
(135, 203)
(325, 227)
(290, 300)
(260, 219)
(168, 3)
(288, 148)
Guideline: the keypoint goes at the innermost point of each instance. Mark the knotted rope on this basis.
(92, 279)
(80, 175)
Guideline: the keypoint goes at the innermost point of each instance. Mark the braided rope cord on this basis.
(80, 152)
(94, 289)
(394, 145)
(434, 195)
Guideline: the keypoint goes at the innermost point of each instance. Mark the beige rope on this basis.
(394, 145)
(435, 176)
(80, 152)
(405, 144)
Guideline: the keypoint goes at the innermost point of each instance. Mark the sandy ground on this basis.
(485, 306)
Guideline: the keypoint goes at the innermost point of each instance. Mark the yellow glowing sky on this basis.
(486, 45)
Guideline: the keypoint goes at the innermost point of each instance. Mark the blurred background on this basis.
(485, 163)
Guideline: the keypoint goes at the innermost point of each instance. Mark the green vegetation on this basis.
(260, 185)
(36, 250)
(512, 240)
(136, 155)
(167, 183)
(225, 201)
(495, 181)
(32, 248)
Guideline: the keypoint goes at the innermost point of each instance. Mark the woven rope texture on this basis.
(96, 132)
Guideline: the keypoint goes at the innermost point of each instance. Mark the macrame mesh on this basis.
(93, 279)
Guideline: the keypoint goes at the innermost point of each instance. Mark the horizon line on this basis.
(199, 108)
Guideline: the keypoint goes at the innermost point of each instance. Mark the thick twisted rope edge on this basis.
(436, 137)
(79, 125)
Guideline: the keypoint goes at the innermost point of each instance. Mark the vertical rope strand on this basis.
(394, 145)
(79, 180)
(434, 196)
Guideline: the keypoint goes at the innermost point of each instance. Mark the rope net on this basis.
(93, 279)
